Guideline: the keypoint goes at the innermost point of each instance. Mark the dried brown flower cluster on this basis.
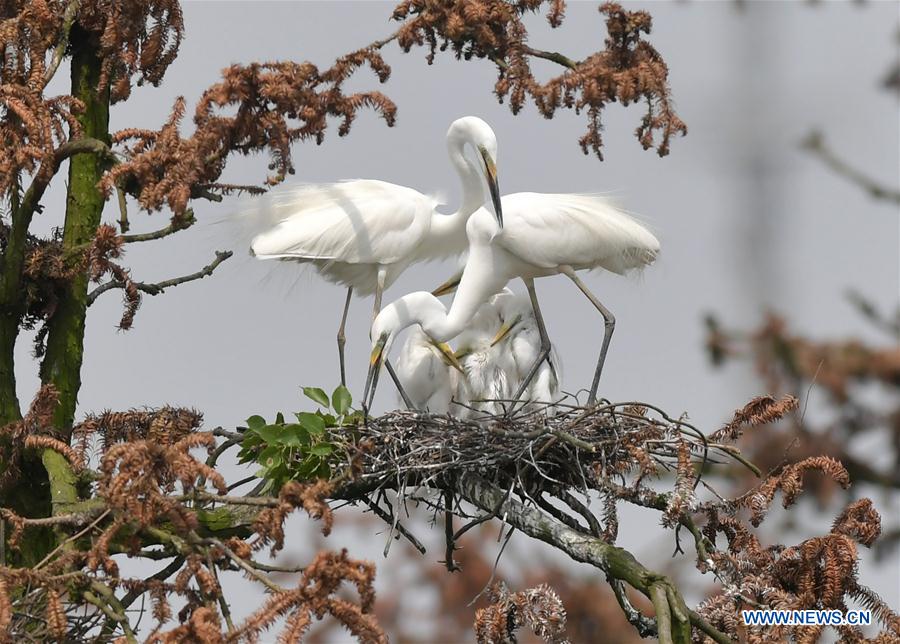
(38, 422)
(847, 372)
(144, 504)
(32, 125)
(818, 574)
(134, 37)
(48, 267)
(627, 70)
(315, 597)
(538, 609)
(165, 426)
(274, 105)
(269, 525)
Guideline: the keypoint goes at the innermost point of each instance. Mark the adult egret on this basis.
(428, 372)
(518, 337)
(537, 235)
(363, 233)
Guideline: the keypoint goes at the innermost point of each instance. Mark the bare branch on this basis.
(815, 143)
(160, 287)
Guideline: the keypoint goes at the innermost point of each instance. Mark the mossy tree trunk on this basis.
(84, 206)
(42, 484)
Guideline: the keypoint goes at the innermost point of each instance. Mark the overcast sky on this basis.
(747, 221)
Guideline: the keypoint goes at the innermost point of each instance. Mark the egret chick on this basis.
(519, 338)
(489, 370)
(428, 372)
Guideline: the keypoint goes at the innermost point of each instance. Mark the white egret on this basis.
(489, 370)
(428, 372)
(540, 235)
(532, 235)
(363, 233)
(519, 338)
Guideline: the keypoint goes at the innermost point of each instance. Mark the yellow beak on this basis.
(504, 330)
(375, 358)
(448, 356)
(449, 286)
(375, 361)
(493, 185)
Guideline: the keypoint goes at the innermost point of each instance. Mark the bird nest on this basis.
(575, 447)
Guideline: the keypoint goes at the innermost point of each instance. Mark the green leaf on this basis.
(250, 439)
(330, 420)
(255, 422)
(279, 419)
(309, 466)
(341, 400)
(270, 457)
(311, 423)
(294, 435)
(321, 449)
(271, 434)
(317, 395)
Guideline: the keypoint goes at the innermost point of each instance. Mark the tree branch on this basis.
(815, 143)
(160, 287)
(59, 51)
(617, 562)
(178, 223)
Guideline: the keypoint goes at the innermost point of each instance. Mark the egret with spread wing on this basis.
(363, 233)
(540, 235)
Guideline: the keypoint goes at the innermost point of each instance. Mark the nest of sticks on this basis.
(604, 447)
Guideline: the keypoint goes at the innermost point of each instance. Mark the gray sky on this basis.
(747, 221)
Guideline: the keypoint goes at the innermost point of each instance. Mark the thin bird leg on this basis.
(393, 375)
(341, 338)
(545, 343)
(609, 325)
(379, 291)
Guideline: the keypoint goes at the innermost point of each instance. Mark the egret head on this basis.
(479, 135)
(515, 312)
(420, 308)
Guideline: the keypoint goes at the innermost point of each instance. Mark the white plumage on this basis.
(348, 230)
(428, 378)
(542, 232)
(364, 233)
(532, 235)
(521, 341)
(489, 371)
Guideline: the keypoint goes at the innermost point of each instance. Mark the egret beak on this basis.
(449, 286)
(375, 362)
(505, 329)
(447, 355)
(490, 169)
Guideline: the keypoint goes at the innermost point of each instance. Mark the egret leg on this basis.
(341, 338)
(609, 325)
(545, 342)
(379, 291)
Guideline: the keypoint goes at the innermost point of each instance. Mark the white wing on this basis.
(358, 222)
(584, 231)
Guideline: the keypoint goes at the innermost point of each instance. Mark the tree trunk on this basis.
(84, 206)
